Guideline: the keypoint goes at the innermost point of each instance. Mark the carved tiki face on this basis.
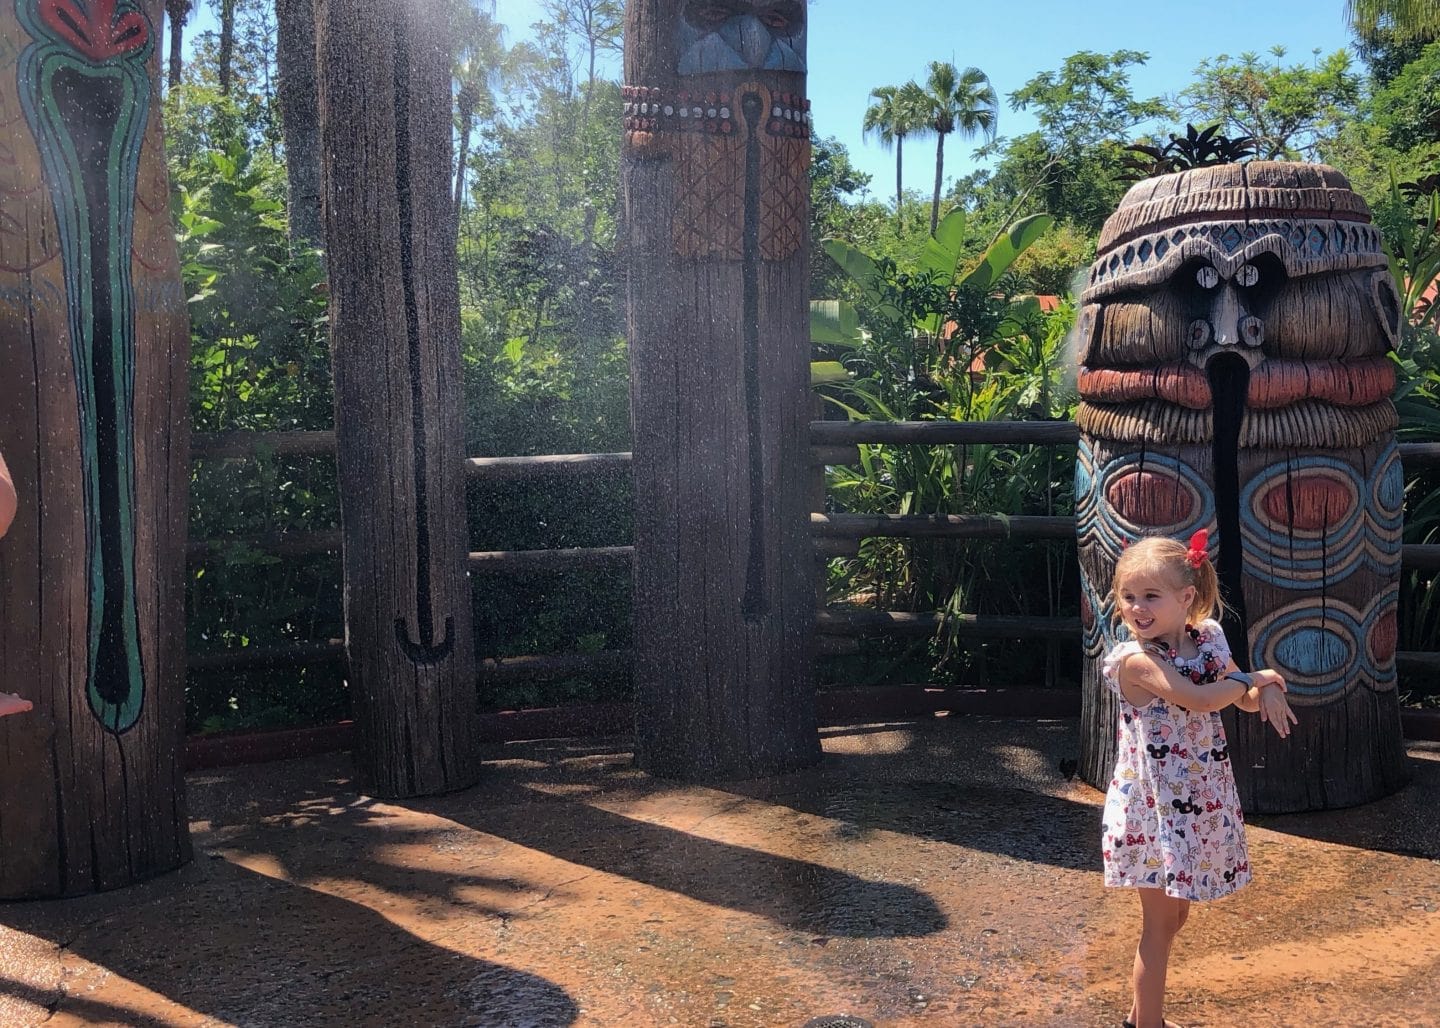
(726, 107)
(735, 35)
(1234, 377)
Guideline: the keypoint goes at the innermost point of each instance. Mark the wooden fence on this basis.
(833, 442)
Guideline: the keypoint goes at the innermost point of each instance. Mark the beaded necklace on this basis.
(1211, 669)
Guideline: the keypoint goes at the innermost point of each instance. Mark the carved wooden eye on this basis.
(1207, 276)
(1247, 276)
(778, 18)
(710, 16)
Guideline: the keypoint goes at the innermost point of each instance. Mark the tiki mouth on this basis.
(1276, 382)
(1229, 375)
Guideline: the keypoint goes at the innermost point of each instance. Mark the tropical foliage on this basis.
(947, 300)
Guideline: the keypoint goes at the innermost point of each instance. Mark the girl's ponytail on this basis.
(1202, 576)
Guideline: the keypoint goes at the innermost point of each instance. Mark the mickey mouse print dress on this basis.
(1172, 816)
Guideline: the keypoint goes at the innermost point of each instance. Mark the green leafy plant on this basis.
(945, 339)
(1194, 149)
(1414, 246)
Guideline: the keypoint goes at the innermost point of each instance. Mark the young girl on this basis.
(9, 703)
(1173, 828)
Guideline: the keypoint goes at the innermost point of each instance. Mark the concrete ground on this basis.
(939, 872)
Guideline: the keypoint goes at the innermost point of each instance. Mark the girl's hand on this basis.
(1275, 709)
(1268, 676)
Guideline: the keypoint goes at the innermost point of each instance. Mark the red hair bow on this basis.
(1197, 554)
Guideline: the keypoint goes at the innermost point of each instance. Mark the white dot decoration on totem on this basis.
(648, 110)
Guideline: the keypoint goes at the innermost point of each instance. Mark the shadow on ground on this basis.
(242, 947)
(936, 872)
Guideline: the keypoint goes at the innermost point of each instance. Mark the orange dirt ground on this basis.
(938, 872)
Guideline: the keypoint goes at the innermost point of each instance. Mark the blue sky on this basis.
(852, 50)
(856, 45)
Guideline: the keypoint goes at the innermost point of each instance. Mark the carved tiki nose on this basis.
(1229, 323)
(755, 42)
(1225, 315)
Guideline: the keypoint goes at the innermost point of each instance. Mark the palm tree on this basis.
(898, 111)
(961, 102)
(178, 11)
(1407, 19)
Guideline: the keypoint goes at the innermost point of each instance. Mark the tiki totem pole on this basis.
(384, 84)
(1234, 377)
(716, 216)
(94, 353)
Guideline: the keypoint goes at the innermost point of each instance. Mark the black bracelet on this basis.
(1243, 677)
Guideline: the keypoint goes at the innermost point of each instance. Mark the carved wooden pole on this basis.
(94, 353)
(716, 199)
(1235, 378)
(395, 346)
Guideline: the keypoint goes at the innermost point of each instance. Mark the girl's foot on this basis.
(12, 704)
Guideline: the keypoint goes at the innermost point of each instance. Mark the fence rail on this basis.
(527, 562)
(833, 442)
(944, 433)
(949, 526)
(216, 445)
(832, 621)
(836, 535)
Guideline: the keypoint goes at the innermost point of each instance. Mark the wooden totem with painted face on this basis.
(1234, 376)
(715, 191)
(94, 363)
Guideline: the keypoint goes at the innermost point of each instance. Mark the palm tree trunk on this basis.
(178, 10)
(899, 177)
(466, 117)
(300, 118)
(939, 179)
(227, 44)
(589, 95)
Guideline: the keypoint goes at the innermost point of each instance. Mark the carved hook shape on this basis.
(427, 650)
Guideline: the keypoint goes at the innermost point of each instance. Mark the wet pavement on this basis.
(936, 872)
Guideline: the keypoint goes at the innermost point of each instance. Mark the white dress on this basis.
(1172, 816)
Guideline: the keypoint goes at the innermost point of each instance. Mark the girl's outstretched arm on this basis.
(1143, 675)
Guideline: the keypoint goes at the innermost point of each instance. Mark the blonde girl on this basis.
(1173, 827)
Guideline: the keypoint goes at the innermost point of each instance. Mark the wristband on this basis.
(1243, 677)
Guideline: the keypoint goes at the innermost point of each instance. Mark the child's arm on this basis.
(7, 497)
(1252, 702)
(1267, 698)
(9, 704)
(1143, 675)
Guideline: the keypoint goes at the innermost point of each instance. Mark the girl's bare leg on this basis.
(12, 704)
(1162, 918)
